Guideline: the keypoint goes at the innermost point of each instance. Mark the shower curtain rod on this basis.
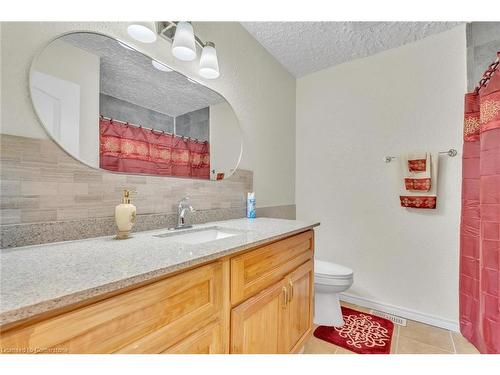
(153, 130)
(488, 73)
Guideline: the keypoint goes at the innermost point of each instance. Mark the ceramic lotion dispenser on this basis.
(125, 216)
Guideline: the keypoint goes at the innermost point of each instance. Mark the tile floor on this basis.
(415, 338)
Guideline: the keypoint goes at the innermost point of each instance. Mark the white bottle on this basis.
(125, 216)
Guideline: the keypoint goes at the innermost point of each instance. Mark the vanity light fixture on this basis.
(141, 33)
(160, 66)
(184, 42)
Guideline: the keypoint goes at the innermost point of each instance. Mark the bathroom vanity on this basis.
(237, 286)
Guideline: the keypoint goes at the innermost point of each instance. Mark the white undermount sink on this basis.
(201, 235)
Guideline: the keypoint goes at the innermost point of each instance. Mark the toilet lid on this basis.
(328, 269)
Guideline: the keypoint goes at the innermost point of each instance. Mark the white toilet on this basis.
(330, 279)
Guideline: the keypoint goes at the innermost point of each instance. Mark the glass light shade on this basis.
(160, 66)
(184, 47)
(141, 33)
(209, 64)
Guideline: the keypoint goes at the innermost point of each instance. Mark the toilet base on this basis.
(327, 311)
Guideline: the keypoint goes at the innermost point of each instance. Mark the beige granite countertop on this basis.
(38, 279)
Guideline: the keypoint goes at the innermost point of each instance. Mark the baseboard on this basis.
(402, 312)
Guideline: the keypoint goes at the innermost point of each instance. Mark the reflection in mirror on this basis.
(114, 108)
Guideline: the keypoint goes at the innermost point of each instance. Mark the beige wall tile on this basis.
(72, 214)
(12, 216)
(72, 188)
(21, 202)
(87, 176)
(38, 188)
(37, 216)
(10, 188)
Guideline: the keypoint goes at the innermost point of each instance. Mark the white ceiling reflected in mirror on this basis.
(114, 108)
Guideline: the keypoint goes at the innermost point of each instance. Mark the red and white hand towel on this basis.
(419, 180)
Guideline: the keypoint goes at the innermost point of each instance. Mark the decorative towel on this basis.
(417, 176)
(417, 196)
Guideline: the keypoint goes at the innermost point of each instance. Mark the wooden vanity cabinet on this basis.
(258, 301)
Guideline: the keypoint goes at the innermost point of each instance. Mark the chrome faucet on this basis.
(182, 208)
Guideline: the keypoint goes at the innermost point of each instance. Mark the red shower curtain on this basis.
(480, 221)
(132, 149)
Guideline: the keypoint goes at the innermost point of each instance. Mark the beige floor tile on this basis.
(426, 334)
(409, 346)
(395, 335)
(317, 346)
(462, 345)
(341, 350)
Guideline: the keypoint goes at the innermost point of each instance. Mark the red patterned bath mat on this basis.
(362, 333)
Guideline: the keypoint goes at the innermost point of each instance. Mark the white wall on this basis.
(225, 139)
(64, 61)
(348, 118)
(259, 89)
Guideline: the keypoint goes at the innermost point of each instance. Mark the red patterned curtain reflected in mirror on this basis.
(129, 148)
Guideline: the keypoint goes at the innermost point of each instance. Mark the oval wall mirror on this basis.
(112, 107)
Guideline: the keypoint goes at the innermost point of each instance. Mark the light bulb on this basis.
(141, 33)
(209, 64)
(184, 47)
(160, 66)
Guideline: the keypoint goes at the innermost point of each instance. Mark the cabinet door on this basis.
(298, 317)
(256, 323)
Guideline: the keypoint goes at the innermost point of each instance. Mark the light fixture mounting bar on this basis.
(166, 29)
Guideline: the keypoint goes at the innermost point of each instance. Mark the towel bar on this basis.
(451, 153)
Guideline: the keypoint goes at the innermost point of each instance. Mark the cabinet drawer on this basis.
(208, 340)
(176, 306)
(254, 271)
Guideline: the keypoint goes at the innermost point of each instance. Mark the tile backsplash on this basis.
(42, 185)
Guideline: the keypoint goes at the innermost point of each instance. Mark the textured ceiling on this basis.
(129, 75)
(306, 47)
